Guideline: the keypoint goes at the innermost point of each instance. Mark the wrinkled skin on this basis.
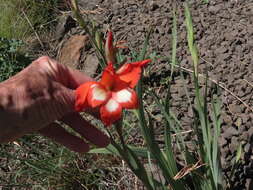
(43, 92)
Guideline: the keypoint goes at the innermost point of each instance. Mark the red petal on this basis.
(110, 112)
(132, 77)
(128, 66)
(97, 95)
(119, 84)
(141, 63)
(131, 72)
(124, 68)
(127, 98)
(81, 95)
(107, 79)
(109, 48)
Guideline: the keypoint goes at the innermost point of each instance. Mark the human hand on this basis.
(35, 98)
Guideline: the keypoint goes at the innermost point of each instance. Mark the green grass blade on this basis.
(238, 153)
(135, 165)
(190, 38)
(216, 114)
(174, 43)
(174, 38)
(209, 148)
(147, 133)
(110, 149)
(145, 45)
(170, 117)
(201, 103)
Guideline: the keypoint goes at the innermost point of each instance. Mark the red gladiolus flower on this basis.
(115, 89)
(113, 92)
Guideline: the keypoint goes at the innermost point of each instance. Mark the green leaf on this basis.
(190, 38)
(238, 153)
(174, 38)
(145, 46)
(147, 130)
(110, 149)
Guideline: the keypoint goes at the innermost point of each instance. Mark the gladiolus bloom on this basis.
(112, 93)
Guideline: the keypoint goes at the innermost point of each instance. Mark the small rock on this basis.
(248, 126)
(247, 148)
(222, 49)
(213, 9)
(225, 151)
(91, 65)
(227, 120)
(234, 144)
(153, 5)
(175, 97)
(242, 129)
(243, 142)
(229, 132)
(245, 118)
(71, 50)
(65, 23)
(244, 136)
(222, 141)
(250, 131)
(235, 108)
(241, 94)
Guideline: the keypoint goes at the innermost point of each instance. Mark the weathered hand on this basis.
(37, 96)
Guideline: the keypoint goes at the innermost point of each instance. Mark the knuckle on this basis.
(43, 59)
(46, 63)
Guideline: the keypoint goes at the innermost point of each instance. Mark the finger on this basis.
(55, 132)
(78, 78)
(70, 78)
(84, 128)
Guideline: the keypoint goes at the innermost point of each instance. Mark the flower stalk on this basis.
(91, 34)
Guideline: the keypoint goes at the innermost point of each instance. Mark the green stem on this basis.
(78, 16)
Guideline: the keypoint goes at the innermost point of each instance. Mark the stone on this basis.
(250, 131)
(71, 51)
(213, 9)
(234, 144)
(91, 64)
(222, 141)
(65, 23)
(227, 119)
(247, 147)
(245, 117)
(229, 132)
(153, 5)
(244, 136)
(235, 108)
